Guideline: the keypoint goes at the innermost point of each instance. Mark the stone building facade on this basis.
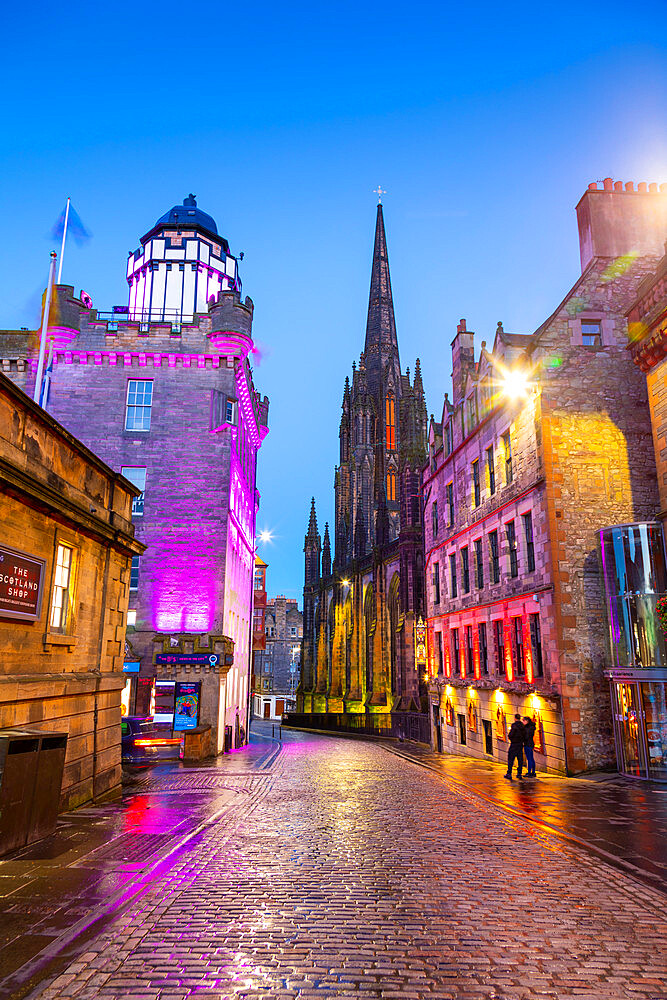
(163, 391)
(277, 667)
(66, 549)
(545, 441)
(360, 609)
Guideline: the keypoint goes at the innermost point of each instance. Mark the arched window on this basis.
(391, 486)
(390, 422)
(370, 622)
(394, 609)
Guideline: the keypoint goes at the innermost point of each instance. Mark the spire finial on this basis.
(379, 191)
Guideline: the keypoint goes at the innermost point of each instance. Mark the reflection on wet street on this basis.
(326, 868)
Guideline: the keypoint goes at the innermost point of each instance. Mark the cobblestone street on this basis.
(346, 871)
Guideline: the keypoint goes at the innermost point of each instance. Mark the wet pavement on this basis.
(326, 868)
(621, 819)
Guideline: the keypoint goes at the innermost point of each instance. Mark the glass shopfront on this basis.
(633, 566)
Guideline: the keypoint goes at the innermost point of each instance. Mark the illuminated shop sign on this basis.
(189, 659)
(21, 584)
(420, 643)
(186, 705)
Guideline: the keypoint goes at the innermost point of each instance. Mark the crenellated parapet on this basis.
(231, 323)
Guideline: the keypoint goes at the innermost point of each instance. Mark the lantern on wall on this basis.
(472, 716)
(449, 712)
(501, 729)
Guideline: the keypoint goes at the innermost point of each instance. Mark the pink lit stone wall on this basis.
(199, 508)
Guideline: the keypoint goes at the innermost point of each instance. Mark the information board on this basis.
(186, 705)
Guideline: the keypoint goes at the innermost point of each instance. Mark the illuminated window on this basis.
(132, 618)
(61, 598)
(470, 651)
(134, 573)
(139, 402)
(518, 653)
(391, 487)
(390, 422)
(137, 477)
(438, 636)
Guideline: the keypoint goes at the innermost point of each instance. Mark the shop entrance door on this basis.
(628, 720)
(436, 728)
(462, 729)
(488, 738)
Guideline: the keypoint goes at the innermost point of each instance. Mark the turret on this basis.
(326, 553)
(312, 547)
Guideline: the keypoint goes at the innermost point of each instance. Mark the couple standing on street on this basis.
(522, 740)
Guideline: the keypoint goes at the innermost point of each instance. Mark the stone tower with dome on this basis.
(162, 390)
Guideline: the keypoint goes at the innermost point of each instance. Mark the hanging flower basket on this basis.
(661, 613)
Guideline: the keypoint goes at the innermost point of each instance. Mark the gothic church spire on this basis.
(381, 344)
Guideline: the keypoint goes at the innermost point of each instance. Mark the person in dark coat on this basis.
(529, 746)
(517, 739)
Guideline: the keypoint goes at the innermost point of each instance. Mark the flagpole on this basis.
(45, 324)
(62, 245)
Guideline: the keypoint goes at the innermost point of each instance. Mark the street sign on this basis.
(21, 584)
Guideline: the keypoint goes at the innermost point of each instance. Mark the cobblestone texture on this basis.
(352, 873)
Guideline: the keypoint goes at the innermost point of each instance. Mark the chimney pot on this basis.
(630, 186)
(592, 186)
(461, 328)
(641, 187)
(653, 188)
(618, 185)
(608, 183)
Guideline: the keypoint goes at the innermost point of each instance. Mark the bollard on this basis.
(273, 732)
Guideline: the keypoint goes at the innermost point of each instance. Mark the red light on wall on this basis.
(475, 653)
(507, 643)
(528, 648)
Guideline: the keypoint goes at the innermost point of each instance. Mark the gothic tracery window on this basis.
(390, 422)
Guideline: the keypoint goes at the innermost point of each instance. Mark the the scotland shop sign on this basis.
(21, 584)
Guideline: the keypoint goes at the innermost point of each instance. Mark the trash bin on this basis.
(31, 775)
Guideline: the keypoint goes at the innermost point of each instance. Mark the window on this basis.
(229, 411)
(591, 333)
(452, 576)
(530, 546)
(137, 477)
(61, 601)
(517, 646)
(434, 518)
(470, 651)
(436, 583)
(292, 630)
(439, 645)
(479, 564)
(491, 470)
(465, 567)
(507, 448)
(511, 545)
(536, 643)
(134, 573)
(448, 438)
(391, 487)
(456, 662)
(472, 412)
(449, 496)
(495, 561)
(390, 422)
(139, 402)
(483, 648)
(498, 644)
(131, 618)
(475, 483)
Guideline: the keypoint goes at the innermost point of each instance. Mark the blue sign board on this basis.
(131, 667)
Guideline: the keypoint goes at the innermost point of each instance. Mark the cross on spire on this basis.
(379, 192)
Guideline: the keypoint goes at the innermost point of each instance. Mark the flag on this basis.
(75, 227)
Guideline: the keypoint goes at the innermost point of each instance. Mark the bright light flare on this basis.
(515, 383)
(345, 582)
(265, 536)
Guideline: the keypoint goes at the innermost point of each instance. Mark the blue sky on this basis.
(484, 124)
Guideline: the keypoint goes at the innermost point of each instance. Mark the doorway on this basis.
(437, 729)
(488, 737)
(267, 709)
(462, 729)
